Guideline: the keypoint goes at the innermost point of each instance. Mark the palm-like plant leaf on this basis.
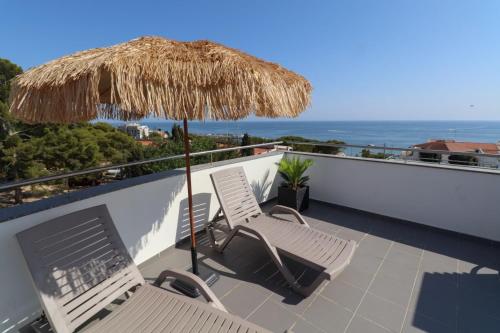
(292, 171)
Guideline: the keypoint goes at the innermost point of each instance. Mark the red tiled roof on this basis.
(451, 145)
(262, 150)
(146, 143)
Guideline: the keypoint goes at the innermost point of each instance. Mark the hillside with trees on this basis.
(30, 151)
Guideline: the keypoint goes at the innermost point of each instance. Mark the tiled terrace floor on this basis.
(403, 278)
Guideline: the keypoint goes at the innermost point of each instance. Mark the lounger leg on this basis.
(302, 290)
(226, 241)
(282, 268)
(209, 229)
(306, 291)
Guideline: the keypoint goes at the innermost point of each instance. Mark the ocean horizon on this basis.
(372, 132)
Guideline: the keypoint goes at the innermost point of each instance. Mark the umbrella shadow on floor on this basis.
(468, 302)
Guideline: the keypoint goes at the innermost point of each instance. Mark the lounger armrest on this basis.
(193, 280)
(288, 210)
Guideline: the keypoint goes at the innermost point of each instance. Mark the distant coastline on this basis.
(390, 133)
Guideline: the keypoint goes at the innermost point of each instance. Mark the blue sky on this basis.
(367, 60)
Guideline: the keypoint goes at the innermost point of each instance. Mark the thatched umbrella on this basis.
(154, 76)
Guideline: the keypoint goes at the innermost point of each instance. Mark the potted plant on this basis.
(294, 191)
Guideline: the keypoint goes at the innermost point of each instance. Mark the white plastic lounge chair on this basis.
(318, 250)
(79, 265)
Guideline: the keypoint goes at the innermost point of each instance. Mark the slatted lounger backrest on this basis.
(79, 265)
(235, 195)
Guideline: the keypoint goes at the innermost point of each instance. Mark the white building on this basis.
(136, 130)
(454, 148)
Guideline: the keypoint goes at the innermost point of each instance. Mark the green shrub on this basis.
(292, 171)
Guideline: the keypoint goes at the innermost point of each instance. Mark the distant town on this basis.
(442, 151)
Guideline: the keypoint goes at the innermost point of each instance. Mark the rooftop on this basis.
(437, 273)
(457, 146)
(404, 278)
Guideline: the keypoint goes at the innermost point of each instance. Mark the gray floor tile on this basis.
(383, 312)
(292, 301)
(416, 323)
(345, 294)
(303, 326)
(436, 298)
(243, 300)
(482, 281)
(362, 325)
(273, 317)
(374, 246)
(356, 276)
(408, 247)
(402, 258)
(398, 271)
(470, 321)
(171, 258)
(366, 262)
(327, 315)
(224, 285)
(350, 234)
(392, 289)
(439, 263)
(457, 285)
(471, 300)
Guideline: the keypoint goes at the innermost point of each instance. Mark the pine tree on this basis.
(246, 141)
(177, 133)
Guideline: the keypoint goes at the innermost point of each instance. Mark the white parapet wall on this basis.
(150, 217)
(454, 198)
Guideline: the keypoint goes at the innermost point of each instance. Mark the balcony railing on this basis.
(470, 159)
(17, 185)
(406, 155)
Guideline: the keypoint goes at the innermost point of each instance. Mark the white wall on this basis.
(149, 217)
(152, 216)
(439, 196)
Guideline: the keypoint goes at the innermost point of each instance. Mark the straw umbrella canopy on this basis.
(154, 76)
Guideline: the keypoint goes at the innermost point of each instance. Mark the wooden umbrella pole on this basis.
(194, 256)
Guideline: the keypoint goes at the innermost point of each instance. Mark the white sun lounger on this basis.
(318, 250)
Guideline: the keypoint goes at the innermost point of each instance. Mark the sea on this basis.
(401, 134)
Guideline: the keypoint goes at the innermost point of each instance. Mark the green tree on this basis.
(177, 133)
(156, 138)
(8, 71)
(315, 147)
(327, 149)
(18, 161)
(246, 141)
(366, 153)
